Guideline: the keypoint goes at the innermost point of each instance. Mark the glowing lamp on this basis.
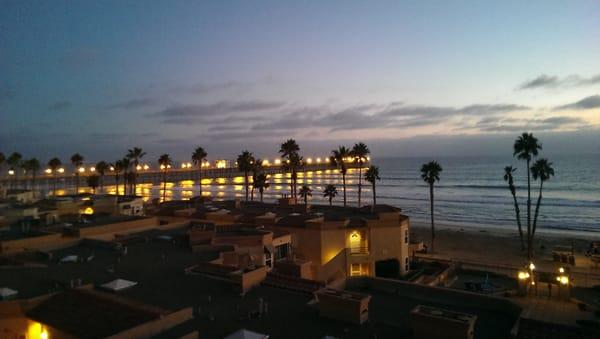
(523, 275)
(81, 169)
(61, 170)
(88, 211)
(44, 334)
(564, 280)
(309, 160)
(11, 172)
(318, 160)
(112, 168)
(561, 270)
(277, 162)
(48, 171)
(146, 167)
(92, 169)
(532, 266)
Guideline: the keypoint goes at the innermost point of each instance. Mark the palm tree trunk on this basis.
(55, 182)
(200, 177)
(261, 196)
(374, 198)
(76, 183)
(529, 249)
(344, 185)
(164, 186)
(246, 184)
(359, 182)
(518, 213)
(537, 210)
(330, 201)
(432, 222)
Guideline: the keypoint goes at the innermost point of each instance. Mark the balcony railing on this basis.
(357, 250)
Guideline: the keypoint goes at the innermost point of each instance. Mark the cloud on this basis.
(546, 81)
(208, 88)
(555, 123)
(61, 105)
(184, 114)
(133, 103)
(583, 104)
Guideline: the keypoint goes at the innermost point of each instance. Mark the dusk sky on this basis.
(408, 78)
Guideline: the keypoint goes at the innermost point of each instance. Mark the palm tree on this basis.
(14, 161)
(118, 169)
(292, 161)
(508, 177)
(338, 159)
(305, 192)
(77, 161)
(198, 158)
(101, 168)
(360, 152)
(330, 192)
(54, 164)
(245, 163)
(165, 163)
(257, 169)
(261, 183)
(135, 154)
(372, 176)
(526, 147)
(32, 165)
(126, 164)
(430, 173)
(93, 181)
(541, 169)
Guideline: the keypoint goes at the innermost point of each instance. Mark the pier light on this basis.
(61, 170)
(277, 162)
(146, 167)
(48, 171)
(309, 160)
(523, 275)
(11, 172)
(561, 270)
(92, 169)
(531, 266)
(266, 162)
(138, 167)
(162, 167)
(183, 165)
(318, 160)
(327, 160)
(81, 169)
(112, 168)
(564, 280)
(368, 158)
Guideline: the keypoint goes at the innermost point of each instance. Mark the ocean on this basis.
(471, 191)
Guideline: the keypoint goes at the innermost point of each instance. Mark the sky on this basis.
(408, 78)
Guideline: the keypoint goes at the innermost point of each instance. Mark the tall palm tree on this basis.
(126, 164)
(261, 183)
(165, 163)
(33, 166)
(135, 154)
(118, 169)
(245, 163)
(77, 161)
(430, 173)
(305, 192)
(292, 162)
(541, 169)
(14, 161)
(360, 152)
(54, 164)
(372, 176)
(526, 147)
(330, 192)
(198, 158)
(257, 169)
(508, 177)
(101, 168)
(338, 159)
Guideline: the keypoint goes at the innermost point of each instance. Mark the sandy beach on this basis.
(498, 249)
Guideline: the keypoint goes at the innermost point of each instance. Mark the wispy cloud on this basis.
(547, 81)
(590, 102)
(183, 114)
(61, 105)
(133, 103)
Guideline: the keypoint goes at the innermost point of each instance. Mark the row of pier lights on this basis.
(529, 282)
(221, 163)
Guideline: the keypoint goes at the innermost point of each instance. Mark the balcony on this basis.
(359, 250)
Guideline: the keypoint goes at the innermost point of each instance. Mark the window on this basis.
(406, 236)
(355, 270)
